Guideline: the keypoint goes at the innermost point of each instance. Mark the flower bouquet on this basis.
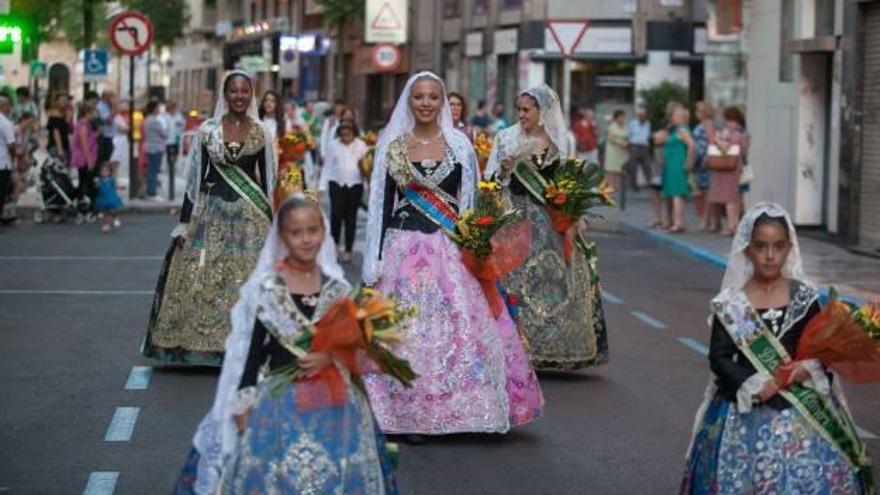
(493, 241)
(366, 163)
(291, 177)
(575, 188)
(365, 321)
(294, 146)
(843, 338)
(483, 148)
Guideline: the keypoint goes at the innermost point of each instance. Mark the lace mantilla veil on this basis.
(213, 125)
(216, 435)
(512, 142)
(401, 123)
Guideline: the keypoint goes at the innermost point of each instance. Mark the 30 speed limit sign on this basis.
(386, 58)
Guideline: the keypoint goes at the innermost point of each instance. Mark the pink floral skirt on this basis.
(474, 375)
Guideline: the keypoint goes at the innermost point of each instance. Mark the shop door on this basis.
(869, 183)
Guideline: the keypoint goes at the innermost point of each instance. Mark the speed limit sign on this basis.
(386, 58)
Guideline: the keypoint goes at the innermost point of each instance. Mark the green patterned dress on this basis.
(557, 304)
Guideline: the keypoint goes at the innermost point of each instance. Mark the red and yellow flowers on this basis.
(483, 148)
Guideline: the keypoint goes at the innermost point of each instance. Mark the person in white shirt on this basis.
(341, 175)
(7, 143)
(174, 123)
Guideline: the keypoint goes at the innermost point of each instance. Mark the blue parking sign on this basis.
(95, 63)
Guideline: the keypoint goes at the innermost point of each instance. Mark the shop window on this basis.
(451, 9)
(825, 17)
(511, 4)
(786, 33)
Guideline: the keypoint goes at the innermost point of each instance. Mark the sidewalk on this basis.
(825, 264)
(30, 201)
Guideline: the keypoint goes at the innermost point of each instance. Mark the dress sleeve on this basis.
(261, 169)
(731, 374)
(388, 208)
(256, 356)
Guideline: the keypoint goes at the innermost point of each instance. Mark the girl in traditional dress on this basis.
(225, 217)
(474, 375)
(557, 302)
(753, 435)
(273, 435)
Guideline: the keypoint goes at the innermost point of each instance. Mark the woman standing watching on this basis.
(225, 217)
(271, 115)
(58, 128)
(616, 149)
(459, 107)
(724, 187)
(559, 305)
(678, 154)
(84, 151)
(342, 176)
(704, 135)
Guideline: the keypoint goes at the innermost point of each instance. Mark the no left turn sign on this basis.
(131, 33)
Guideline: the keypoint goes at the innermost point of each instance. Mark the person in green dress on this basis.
(678, 155)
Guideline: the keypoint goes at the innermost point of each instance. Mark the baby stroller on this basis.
(61, 201)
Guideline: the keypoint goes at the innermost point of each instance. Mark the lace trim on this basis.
(747, 392)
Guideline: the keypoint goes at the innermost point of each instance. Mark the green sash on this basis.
(536, 184)
(766, 353)
(246, 188)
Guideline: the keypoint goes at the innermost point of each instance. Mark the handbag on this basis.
(719, 160)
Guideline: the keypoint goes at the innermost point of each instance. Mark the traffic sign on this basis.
(95, 63)
(386, 58)
(567, 33)
(386, 21)
(38, 69)
(131, 33)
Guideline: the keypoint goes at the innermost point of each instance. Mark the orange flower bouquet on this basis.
(483, 148)
(293, 147)
(493, 241)
(367, 322)
(844, 339)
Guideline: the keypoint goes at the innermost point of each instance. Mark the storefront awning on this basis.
(593, 57)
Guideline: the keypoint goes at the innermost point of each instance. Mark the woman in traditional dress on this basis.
(225, 217)
(557, 302)
(474, 375)
(274, 435)
(753, 435)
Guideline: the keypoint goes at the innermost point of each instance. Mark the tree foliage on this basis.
(337, 13)
(657, 97)
(72, 22)
(169, 17)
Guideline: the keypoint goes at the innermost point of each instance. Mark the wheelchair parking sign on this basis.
(95, 64)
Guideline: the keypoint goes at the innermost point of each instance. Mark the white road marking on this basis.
(122, 425)
(611, 298)
(695, 345)
(101, 483)
(648, 320)
(139, 378)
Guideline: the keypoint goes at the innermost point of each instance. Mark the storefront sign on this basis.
(386, 21)
(473, 44)
(506, 41)
(253, 64)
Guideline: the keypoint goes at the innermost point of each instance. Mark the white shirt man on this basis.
(7, 142)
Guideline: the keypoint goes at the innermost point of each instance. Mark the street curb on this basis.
(708, 256)
(27, 212)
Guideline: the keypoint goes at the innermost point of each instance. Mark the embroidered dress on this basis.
(771, 447)
(287, 448)
(474, 375)
(224, 230)
(557, 303)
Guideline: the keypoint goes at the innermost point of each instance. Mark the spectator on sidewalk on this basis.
(7, 147)
(174, 123)
(328, 129)
(704, 134)
(678, 153)
(586, 135)
(155, 136)
(616, 149)
(24, 104)
(341, 176)
(120, 140)
(481, 119)
(26, 142)
(724, 186)
(84, 149)
(459, 107)
(58, 128)
(641, 157)
(105, 108)
(499, 121)
(271, 115)
(107, 199)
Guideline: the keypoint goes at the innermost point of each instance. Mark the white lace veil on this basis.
(740, 268)
(221, 108)
(512, 142)
(216, 435)
(402, 122)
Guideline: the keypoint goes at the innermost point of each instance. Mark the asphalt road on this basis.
(73, 311)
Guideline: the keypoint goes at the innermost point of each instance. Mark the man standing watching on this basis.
(174, 124)
(641, 158)
(7, 143)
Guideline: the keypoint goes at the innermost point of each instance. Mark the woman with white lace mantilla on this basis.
(557, 302)
(474, 374)
(225, 217)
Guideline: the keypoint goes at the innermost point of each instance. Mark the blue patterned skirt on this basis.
(330, 450)
(765, 451)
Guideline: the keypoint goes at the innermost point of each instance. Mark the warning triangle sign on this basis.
(386, 18)
(567, 34)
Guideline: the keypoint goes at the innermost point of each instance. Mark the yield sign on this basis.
(567, 33)
(386, 19)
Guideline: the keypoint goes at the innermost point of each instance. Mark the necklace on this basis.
(309, 270)
(235, 120)
(426, 142)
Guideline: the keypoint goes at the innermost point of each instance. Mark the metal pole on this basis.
(133, 177)
(88, 36)
(171, 162)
